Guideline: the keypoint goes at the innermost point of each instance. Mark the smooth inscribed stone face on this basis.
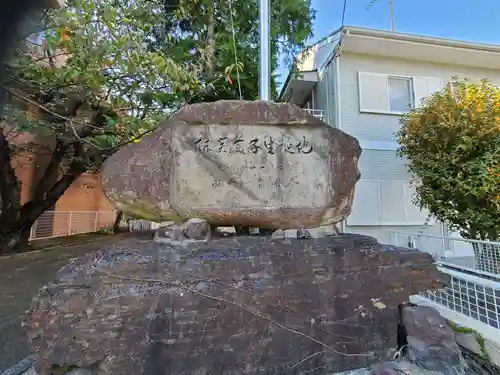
(259, 164)
(252, 166)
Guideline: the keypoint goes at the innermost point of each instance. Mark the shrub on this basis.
(452, 143)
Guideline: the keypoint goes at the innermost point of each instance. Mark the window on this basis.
(388, 94)
(400, 94)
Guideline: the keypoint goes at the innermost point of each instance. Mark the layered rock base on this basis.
(239, 305)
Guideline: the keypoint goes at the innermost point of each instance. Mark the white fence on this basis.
(65, 223)
(145, 225)
(473, 297)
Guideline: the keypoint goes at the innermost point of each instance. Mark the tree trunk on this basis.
(116, 225)
(14, 235)
(16, 220)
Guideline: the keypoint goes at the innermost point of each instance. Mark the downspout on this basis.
(338, 104)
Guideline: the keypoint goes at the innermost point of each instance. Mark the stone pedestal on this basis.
(240, 305)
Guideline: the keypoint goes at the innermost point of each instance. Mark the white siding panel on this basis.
(392, 202)
(413, 212)
(381, 127)
(424, 87)
(324, 95)
(385, 203)
(365, 209)
(373, 92)
(383, 166)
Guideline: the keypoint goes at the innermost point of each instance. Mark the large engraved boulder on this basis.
(259, 164)
(240, 305)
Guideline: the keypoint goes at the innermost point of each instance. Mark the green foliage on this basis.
(452, 143)
(91, 77)
(202, 30)
(108, 231)
(104, 72)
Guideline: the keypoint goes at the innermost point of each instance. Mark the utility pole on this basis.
(265, 39)
(392, 18)
(390, 11)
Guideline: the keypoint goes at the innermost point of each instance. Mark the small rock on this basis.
(197, 229)
(303, 234)
(278, 234)
(169, 233)
(193, 230)
(431, 342)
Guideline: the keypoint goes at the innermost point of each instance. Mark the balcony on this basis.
(315, 112)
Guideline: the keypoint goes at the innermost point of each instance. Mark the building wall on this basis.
(383, 196)
(381, 127)
(84, 195)
(324, 93)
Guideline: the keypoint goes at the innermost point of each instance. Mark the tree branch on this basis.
(34, 208)
(52, 170)
(10, 187)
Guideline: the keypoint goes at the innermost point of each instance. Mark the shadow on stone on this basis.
(247, 305)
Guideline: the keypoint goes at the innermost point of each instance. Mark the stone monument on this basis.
(257, 164)
(194, 302)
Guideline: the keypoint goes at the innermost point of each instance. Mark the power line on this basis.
(343, 13)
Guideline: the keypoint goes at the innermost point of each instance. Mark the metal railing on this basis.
(469, 295)
(480, 257)
(319, 113)
(65, 223)
(473, 296)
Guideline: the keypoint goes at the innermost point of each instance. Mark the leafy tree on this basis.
(452, 143)
(224, 36)
(86, 88)
(108, 70)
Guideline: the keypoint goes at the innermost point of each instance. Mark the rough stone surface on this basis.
(242, 305)
(193, 230)
(255, 164)
(386, 368)
(431, 341)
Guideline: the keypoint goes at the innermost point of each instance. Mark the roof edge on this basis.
(360, 31)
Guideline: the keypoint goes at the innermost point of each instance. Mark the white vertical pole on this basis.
(265, 62)
(70, 222)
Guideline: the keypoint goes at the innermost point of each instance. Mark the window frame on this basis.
(411, 92)
(362, 108)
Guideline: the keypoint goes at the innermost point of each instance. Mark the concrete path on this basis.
(21, 276)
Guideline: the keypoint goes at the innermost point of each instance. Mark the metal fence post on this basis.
(32, 230)
(70, 222)
(95, 221)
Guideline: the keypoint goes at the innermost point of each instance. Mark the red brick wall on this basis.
(85, 194)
